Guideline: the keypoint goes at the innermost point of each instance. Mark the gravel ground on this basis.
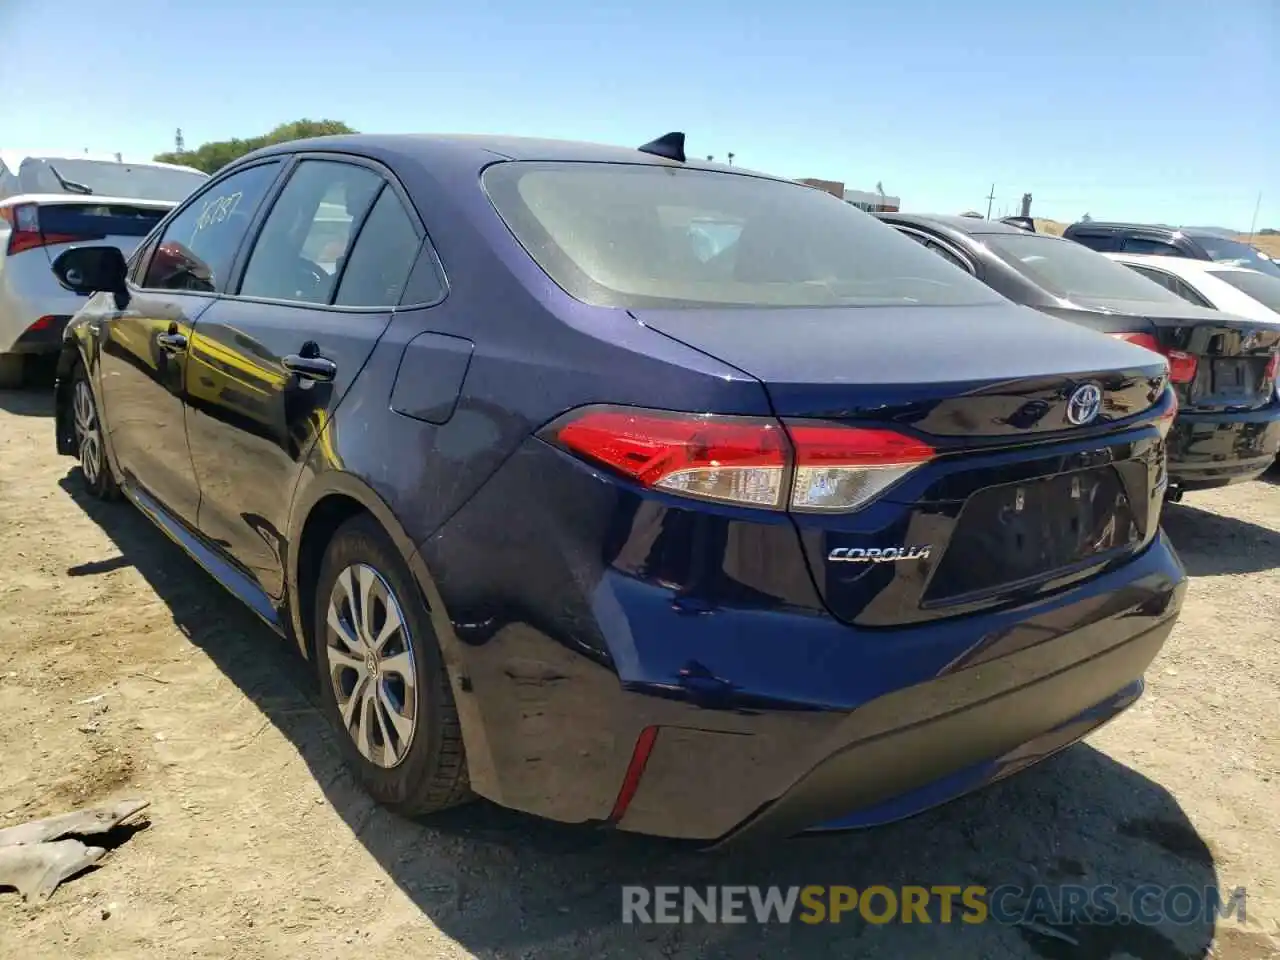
(261, 848)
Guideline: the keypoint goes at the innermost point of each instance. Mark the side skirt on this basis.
(239, 585)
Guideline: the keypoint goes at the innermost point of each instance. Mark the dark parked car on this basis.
(1223, 367)
(1198, 244)
(624, 489)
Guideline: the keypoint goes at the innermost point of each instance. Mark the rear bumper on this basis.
(29, 291)
(1216, 449)
(770, 723)
(44, 339)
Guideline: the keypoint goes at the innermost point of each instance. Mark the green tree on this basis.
(211, 157)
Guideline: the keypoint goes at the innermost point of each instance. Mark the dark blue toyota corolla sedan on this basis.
(626, 489)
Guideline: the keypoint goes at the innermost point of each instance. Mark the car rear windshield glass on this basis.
(1262, 287)
(107, 179)
(632, 235)
(1225, 250)
(1067, 269)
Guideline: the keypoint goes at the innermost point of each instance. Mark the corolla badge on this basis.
(1084, 404)
(879, 555)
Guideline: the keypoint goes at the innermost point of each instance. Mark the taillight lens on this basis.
(747, 461)
(840, 468)
(1273, 366)
(25, 233)
(1182, 366)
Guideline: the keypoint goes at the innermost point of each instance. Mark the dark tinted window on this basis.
(199, 244)
(1102, 242)
(648, 235)
(1171, 283)
(308, 231)
(379, 263)
(1069, 269)
(1160, 248)
(1262, 287)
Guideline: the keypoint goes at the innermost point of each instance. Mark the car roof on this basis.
(1183, 266)
(970, 225)
(484, 148)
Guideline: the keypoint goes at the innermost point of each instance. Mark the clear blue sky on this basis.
(1163, 110)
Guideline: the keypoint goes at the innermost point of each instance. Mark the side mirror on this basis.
(93, 270)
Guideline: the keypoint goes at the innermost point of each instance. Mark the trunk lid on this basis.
(1019, 500)
(1233, 354)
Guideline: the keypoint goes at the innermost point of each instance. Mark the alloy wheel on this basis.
(88, 432)
(371, 665)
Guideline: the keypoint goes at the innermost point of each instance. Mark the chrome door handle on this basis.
(310, 368)
(172, 342)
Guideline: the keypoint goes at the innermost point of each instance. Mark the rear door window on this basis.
(1102, 242)
(1160, 248)
(650, 235)
(199, 244)
(306, 236)
(1172, 284)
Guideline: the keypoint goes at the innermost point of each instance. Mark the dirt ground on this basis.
(260, 847)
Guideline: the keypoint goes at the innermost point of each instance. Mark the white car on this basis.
(49, 202)
(1210, 283)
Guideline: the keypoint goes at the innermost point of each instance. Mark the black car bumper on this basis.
(1215, 449)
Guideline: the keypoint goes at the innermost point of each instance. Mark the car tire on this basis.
(13, 370)
(384, 687)
(86, 423)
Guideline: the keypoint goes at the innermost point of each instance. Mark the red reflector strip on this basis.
(44, 323)
(635, 770)
(855, 447)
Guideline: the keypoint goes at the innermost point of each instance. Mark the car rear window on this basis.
(632, 235)
(1069, 269)
(1260, 286)
(106, 179)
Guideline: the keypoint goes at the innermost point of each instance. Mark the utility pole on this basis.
(991, 198)
(1253, 224)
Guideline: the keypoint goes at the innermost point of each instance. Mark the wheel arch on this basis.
(320, 506)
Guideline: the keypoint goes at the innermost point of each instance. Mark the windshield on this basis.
(1069, 269)
(1260, 286)
(631, 235)
(107, 179)
(1226, 250)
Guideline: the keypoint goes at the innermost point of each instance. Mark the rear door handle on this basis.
(172, 342)
(320, 369)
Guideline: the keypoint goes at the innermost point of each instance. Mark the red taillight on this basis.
(1182, 366)
(743, 460)
(25, 233)
(635, 770)
(43, 323)
(1273, 366)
